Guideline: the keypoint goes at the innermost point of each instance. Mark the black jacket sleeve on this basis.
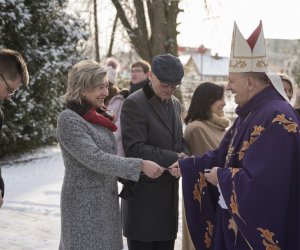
(1, 184)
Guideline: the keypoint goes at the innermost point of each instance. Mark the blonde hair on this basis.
(83, 76)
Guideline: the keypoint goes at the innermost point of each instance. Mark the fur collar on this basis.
(220, 122)
(148, 90)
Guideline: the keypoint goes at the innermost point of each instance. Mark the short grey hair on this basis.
(261, 77)
(85, 75)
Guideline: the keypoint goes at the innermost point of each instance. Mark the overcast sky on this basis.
(214, 28)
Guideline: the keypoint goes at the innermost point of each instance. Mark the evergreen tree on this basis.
(51, 41)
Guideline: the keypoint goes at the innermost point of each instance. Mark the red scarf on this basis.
(94, 117)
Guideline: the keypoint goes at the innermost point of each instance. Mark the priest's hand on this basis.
(211, 175)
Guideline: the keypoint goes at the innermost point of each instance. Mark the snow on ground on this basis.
(30, 216)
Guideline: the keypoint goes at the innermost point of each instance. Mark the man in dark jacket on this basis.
(13, 73)
(152, 129)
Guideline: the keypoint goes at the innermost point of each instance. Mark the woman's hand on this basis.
(174, 170)
(152, 169)
(211, 175)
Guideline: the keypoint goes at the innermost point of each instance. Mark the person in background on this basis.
(255, 168)
(115, 100)
(112, 74)
(152, 130)
(297, 102)
(289, 90)
(287, 85)
(90, 217)
(205, 127)
(139, 75)
(13, 73)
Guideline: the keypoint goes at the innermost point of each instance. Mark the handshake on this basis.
(153, 170)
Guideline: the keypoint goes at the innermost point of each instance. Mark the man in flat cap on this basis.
(152, 130)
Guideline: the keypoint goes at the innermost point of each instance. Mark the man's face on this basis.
(162, 90)
(238, 85)
(8, 87)
(138, 75)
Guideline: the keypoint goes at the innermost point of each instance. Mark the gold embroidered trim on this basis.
(232, 225)
(257, 130)
(234, 171)
(208, 234)
(198, 188)
(288, 125)
(268, 239)
(234, 204)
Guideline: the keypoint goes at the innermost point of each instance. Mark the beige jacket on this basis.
(202, 136)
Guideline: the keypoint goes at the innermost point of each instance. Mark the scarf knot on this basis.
(103, 117)
(94, 117)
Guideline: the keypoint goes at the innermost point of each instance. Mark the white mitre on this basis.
(250, 56)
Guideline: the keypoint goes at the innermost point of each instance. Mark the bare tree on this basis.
(97, 49)
(151, 25)
(112, 37)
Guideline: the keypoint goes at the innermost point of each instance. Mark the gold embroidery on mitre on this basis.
(198, 188)
(268, 241)
(288, 125)
(241, 64)
(208, 234)
(232, 225)
(261, 64)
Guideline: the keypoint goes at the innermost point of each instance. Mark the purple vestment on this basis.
(259, 177)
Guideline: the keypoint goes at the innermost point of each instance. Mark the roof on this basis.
(213, 66)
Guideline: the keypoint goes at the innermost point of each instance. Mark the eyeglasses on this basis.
(166, 85)
(9, 89)
(134, 71)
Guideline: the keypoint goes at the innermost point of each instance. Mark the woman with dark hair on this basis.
(206, 125)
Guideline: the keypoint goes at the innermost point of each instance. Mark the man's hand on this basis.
(211, 175)
(175, 170)
(151, 169)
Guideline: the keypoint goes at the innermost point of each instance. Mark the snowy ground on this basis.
(30, 216)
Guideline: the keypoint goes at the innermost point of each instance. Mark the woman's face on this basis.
(288, 89)
(217, 106)
(96, 96)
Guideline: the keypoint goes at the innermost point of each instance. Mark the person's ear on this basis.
(251, 84)
(149, 74)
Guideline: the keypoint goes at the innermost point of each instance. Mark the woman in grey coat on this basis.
(90, 217)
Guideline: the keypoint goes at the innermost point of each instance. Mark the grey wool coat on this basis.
(152, 213)
(90, 217)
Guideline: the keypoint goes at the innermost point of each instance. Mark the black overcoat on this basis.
(152, 213)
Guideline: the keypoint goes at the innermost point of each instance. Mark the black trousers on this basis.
(150, 245)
